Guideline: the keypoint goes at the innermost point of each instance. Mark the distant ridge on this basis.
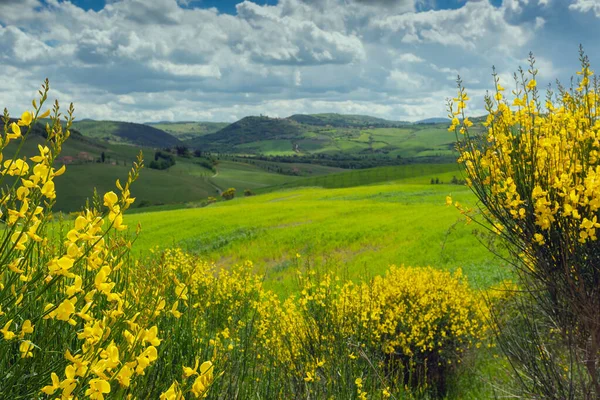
(126, 132)
(434, 120)
(249, 129)
(344, 120)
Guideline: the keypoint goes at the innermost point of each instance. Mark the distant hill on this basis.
(248, 130)
(435, 120)
(126, 132)
(345, 120)
(185, 130)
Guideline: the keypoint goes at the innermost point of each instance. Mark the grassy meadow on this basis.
(358, 231)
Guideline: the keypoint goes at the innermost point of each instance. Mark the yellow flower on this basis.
(26, 119)
(110, 199)
(124, 376)
(173, 393)
(26, 349)
(16, 131)
(16, 168)
(19, 239)
(26, 328)
(531, 84)
(174, 311)
(65, 310)
(97, 389)
(150, 336)
(50, 389)
(8, 335)
(204, 380)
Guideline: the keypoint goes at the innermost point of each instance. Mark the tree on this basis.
(229, 194)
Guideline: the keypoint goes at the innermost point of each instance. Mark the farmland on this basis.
(357, 231)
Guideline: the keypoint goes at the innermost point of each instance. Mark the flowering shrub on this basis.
(422, 318)
(412, 326)
(536, 172)
(69, 326)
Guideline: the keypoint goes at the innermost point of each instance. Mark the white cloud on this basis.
(149, 60)
(585, 6)
(410, 58)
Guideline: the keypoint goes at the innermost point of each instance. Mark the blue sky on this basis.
(215, 60)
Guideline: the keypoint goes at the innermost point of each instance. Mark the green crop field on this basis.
(416, 173)
(356, 231)
(243, 176)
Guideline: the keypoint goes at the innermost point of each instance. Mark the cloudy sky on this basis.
(220, 60)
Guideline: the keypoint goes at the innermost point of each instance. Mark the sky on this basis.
(220, 60)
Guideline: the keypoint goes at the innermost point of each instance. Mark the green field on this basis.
(356, 231)
(243, 176)
(416, 173)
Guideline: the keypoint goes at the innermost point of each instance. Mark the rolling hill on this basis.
(330, 135)
(186, 130)
(250, 130)
(345, 120)
(126, 133)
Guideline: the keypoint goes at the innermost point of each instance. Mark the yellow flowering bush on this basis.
(536, 171)
(423, 318)
(72, 326)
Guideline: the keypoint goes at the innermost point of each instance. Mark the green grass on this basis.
(358, 231)
(269, 147)
(243, 176)
(153, 187)
(415, 173)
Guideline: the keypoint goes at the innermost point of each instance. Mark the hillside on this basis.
(126, 132)
(316, 137)
(345, 120)
(186, 130)
(250, 130)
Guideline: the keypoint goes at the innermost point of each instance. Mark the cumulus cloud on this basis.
(586, 6)
(166, 60)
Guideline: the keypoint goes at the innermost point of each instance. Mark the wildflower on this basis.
(26, 119)
(8, 335)
(143, 360)
(110, 199)
(26, 349)
(26, 328)
(50, 389)
(124, 376)
(173, 393)
(16, 131)
(204, 380)
(97, 389)
(174, 311)
(65, 310)
(309, 377)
